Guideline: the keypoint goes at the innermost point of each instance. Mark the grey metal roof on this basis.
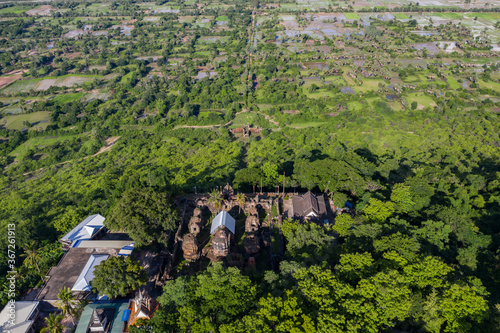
(23, 317)
(223, 219)
(87, 274)
(86, 229)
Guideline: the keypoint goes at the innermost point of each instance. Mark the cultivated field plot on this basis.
(44, 84)
(42, 10)
(16, 122)
(9, 78)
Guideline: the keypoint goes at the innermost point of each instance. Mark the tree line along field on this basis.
(388, 105)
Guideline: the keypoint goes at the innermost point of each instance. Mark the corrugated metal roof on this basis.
(116, 323)
(22, 322)
(103, 244)
(223, 219)
(86, 229)
(126, 250)
(87, 274)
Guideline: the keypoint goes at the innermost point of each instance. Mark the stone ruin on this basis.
(221, 242)
(251, 243)
(196, 222)
(227, 192)
(246, 130)
(252, 225)
(190, 247)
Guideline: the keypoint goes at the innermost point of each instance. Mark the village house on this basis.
(88, 229)
(76, 268)
(103, 318)
(309, 207)
(19, 317)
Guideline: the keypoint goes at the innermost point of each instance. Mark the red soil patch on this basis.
(6, 80)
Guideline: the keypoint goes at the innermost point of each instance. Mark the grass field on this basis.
(490, 85)
(449, 16)
(422, 100)
(453, 83)
(147, 128)
(307, 124)
(244, 118)
(65, 98)
(35, 118)
(401, 16)
(351, 16)
(41, 142)
(126, 78)
(15, 10)
(368, 84)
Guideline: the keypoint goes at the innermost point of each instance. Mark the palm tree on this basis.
(240, 199)
(67, 302)
(31, 255)
(215, 199)
(54, 324)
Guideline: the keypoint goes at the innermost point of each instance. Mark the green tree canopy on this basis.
(145, 214)
(116, 276)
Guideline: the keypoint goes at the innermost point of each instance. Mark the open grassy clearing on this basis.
(490, 85)
(368, 85)
(422, 99)
(65, 98)
(306, 124)
(37, 119)
(15, 10)
(42, 142)
(453, 82)
(351, 16)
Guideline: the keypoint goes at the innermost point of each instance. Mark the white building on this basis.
(86, 230)
(18, 317)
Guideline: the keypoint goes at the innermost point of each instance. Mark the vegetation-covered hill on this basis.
(394, 109)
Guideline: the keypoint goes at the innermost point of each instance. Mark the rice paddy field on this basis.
(343, 60)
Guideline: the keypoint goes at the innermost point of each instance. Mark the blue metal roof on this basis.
(126, 315)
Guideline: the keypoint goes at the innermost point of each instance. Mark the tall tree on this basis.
(31, 255)
(67, 302)
(215, 200)
(117, 276)
(145, 214)
(240, 199)
(54, 324)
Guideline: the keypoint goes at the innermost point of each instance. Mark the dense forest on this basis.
(100, 99)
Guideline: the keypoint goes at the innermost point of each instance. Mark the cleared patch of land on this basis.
(36, 119)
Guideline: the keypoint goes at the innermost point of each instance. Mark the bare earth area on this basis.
(42, 10)
(6, 80)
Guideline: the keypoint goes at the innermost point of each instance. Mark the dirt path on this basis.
(108, 144)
